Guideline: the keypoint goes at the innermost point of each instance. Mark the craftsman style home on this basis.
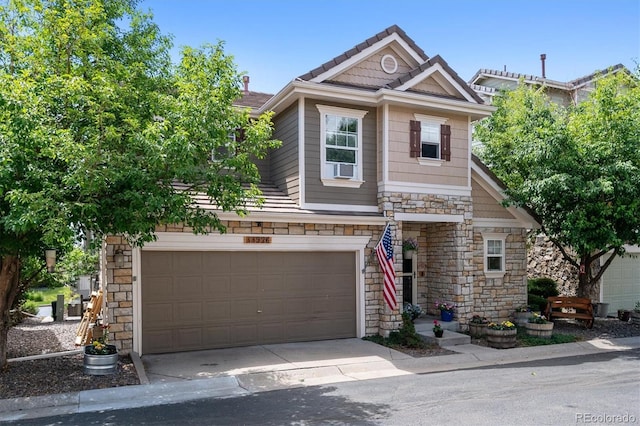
(381, 134)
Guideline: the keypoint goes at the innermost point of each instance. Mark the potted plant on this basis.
(522, 314)
(478, 326)
(100, 358)
(501, 335)
(446, 310)
(437, 329)
(414, 311)
(409, 246)
(539, 326)
(635, 314)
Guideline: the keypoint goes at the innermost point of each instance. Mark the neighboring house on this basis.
(620, 284)
(379, 134)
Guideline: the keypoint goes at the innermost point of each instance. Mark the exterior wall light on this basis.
(118, 258)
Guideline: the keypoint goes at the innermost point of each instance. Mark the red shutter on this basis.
(445, 142)
(414, 138)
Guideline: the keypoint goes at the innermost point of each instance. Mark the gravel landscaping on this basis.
(60, 374)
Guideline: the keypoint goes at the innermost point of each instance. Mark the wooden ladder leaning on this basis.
(89, 318)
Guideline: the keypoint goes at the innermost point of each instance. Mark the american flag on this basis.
(384, 251)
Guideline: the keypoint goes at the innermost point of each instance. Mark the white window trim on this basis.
(343, 112)
(426, 161)
(490, 236)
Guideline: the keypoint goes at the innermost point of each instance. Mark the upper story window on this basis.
(430, 138)
(341, 151)
(494, 254)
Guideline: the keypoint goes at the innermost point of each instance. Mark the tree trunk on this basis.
(9, 279)
(586, 281)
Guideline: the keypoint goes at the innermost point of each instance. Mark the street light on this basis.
(50, 258)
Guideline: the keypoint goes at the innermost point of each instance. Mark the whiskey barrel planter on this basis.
(539, 330)
(501, 339)
(521, 318)
(477, 330)
(100, 365)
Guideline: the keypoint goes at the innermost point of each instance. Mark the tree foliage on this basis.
(576, 168)
(97, 126)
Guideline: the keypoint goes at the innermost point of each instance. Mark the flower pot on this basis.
(446, 316)
(438, 333)
(408, 254)
(624, 315)
(477, 330)
(100, 365)
(539, 330)
(522, 318)
(501, 339)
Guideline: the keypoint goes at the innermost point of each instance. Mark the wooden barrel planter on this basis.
(539, 330)
(477, 330)
(100, 365)
(501, 339)
(521, 318)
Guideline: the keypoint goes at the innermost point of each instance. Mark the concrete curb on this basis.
(468, 356)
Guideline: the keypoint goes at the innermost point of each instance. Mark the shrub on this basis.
(545, 287)
(537, 303)
(29, 306)
(35, 297)
(406, 335)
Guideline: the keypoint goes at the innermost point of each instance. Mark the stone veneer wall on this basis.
(119, 281)
(445, 268)
(497, 298)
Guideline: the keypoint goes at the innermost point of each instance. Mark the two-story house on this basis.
(381, 134)
(619, 286)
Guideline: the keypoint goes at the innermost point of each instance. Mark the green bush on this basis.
(34, 296)
(545, 287)
(29, 306)
(537, 303)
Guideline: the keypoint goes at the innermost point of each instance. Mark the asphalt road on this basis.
(594, 389)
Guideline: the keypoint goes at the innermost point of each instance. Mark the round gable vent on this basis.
(389, 64)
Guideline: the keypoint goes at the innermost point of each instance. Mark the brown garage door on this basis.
(205, 300)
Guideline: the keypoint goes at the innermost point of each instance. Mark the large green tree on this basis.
(97, 128)
(576, 168)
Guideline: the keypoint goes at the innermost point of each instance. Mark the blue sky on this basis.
(275, 41)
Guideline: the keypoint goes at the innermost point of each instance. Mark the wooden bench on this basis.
(570, 307)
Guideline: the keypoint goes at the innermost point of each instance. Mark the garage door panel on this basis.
(188, 313)
(245, 298)
(187, 288)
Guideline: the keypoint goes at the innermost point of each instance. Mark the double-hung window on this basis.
(430, 138)
(341, 145)
(494, 254)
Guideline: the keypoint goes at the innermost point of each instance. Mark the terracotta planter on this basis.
(501, 339)
(539, 330)
(100, 365)
(477, 330)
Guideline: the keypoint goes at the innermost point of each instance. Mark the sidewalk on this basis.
(220, 373)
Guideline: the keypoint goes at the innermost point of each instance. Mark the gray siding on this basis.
(316, 192)
(284, 160)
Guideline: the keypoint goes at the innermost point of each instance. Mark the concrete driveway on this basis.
(317, 362)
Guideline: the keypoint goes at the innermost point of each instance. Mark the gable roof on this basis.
(371, 41)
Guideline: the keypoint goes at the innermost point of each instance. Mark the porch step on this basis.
(451, 337)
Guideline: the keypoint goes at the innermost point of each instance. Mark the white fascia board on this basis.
(428, 217)
(186, 241)
(423, 189)
(341, 207)
(302, 193)
(332, 72)
(305, 218)
(437, 68)
(476, 111)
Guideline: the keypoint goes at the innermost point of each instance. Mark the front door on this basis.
(409, 287)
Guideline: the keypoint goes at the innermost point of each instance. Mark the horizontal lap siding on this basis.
(316, 192)
(403, 168)
(284, 160)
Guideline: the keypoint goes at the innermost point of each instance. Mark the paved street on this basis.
(591, 389)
